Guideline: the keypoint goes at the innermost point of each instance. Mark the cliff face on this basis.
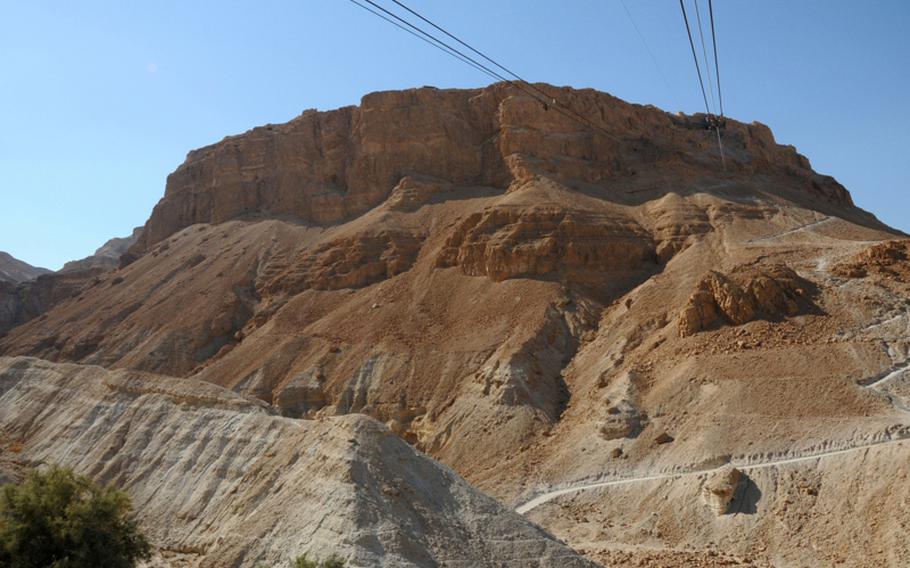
(530, 301)
(326, 167)
(28, 300)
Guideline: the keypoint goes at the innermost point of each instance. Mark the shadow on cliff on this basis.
(745, 500)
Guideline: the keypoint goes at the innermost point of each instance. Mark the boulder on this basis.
(720, 489)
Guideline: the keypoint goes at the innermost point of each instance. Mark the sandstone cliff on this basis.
(533, 303)
(326, 167)
(28, 300)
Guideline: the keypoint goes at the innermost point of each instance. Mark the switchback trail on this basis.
(815, 223)
(550, 495)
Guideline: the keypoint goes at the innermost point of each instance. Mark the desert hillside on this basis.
(28, 298)
(544, 307)
(13, 270)
(239, 485)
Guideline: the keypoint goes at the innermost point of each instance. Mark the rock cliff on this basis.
(530, 301)
(323, 168)
(28, 300)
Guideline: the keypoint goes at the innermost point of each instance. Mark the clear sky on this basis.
(102, 99)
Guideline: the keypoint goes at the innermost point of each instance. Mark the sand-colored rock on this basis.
(326, 167)
(24, 299)
(890, 260)
(749, 293)
(221, 480)
(23, 302)
(510, 242)
(721, 488)
(412, 192)
(353, 262)
(621, 416)
(481, 273)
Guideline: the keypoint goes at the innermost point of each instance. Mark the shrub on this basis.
(331, 562)
(59, 519)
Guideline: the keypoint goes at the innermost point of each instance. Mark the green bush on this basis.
(59, 519)
(304, 562)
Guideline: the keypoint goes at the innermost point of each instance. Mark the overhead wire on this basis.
(704, 53)
(644, 42)
(720, 147)
(695, 56)
(518, 77)
(713, 123)
(720, 98)
(418, 36)
(547, 101)
(443, 30)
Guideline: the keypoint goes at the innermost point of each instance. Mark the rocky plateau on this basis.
(656, 358)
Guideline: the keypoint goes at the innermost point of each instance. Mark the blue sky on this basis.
(101, 100)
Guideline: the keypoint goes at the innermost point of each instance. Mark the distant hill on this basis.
(107, 256)
(14, 270)
(29, 292)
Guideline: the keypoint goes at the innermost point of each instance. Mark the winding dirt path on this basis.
(869, 383)
(892, 373)
(791, 231)
(550, 495)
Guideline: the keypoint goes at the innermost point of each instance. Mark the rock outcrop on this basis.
(29, 298)
(351, 262)
(889, 260)
(13, 270)
(747, 294)
(23, 302)
(720, 489)
(547, 241)
(621, 417)
(413, 192)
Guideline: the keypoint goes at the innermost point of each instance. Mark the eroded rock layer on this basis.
(747, 294)
(218, 480)
(326, 167)
(530, 301)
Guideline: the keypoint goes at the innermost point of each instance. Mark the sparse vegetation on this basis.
(303, 561)
(59, 519)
